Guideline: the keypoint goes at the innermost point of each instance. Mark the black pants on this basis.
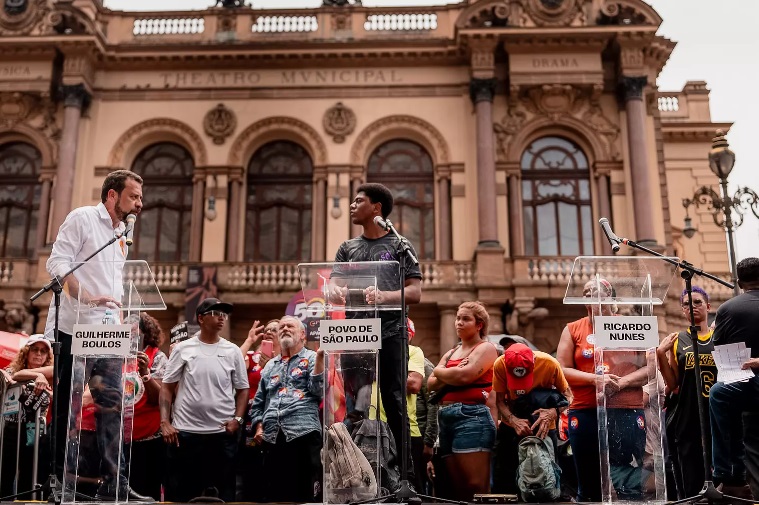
(200, 462)
(392, 390)
(685, 446)
(146, 467)
(751, 443)
(627, 441)
(293, 469)
(104, 377)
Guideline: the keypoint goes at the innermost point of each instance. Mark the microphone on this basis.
(130, 219)
(385, 224)
(610, 236)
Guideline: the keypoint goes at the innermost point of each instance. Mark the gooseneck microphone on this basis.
(610, 236)
(129, 230)
(385, 224)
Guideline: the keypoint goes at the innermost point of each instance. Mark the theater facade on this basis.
(505, 128)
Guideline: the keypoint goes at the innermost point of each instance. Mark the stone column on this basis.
(482, 92)
(319, 227)
(198, 215)
(445, 218)
(76, 99)
(516, 230)
(643, 202)
(43, 215)
(356, 181)
(233, 215)
(447, 327)
(604, 203)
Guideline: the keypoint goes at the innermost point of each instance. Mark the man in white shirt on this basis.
(203, 398)
(87, 294)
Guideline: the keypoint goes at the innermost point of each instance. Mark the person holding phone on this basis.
(257, 350)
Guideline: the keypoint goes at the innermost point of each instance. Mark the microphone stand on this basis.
(687, 271)
(53, 486)
(405, 492)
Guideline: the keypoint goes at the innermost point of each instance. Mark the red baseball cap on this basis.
(520, 362)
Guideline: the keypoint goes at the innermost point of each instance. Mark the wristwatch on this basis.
(239, 420)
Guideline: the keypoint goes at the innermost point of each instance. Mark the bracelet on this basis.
(146, 378)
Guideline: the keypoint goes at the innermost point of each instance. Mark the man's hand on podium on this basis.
(337, 294)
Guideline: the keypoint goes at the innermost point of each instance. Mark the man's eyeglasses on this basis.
(217, 313)
(696, 303)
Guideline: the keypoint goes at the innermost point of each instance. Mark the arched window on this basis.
(556, 199)
(406, 169)
(162, 232)
(278, 208)
(19, 199)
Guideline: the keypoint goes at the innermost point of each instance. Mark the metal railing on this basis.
(10, 404)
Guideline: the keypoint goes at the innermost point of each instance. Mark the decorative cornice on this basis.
(377, 130)
(691, 132)
(262, 130)
(190, 138)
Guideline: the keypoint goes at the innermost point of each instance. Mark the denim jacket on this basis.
(288, 396)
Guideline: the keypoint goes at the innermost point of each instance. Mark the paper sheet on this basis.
(729, 359)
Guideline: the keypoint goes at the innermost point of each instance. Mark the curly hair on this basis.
(152, 333)
(19, 362)
(480, 314)
(378, 193)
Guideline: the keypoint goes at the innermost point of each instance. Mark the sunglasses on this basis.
(216, 313)
(696, 303)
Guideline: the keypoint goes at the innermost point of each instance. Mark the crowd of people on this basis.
(245, 423)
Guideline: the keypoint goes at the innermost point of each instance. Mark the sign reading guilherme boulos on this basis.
(626, 332)
(350, 334)
(101, 339)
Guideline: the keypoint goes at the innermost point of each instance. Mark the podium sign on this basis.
(626, 332)
(101, 339)
(350, 334)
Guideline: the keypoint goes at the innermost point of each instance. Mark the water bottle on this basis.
(109, 317)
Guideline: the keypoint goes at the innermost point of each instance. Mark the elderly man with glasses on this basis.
(203, 398)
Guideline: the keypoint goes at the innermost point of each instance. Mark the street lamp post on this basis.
(726, 211)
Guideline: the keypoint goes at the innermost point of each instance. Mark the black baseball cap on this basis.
(210, 304)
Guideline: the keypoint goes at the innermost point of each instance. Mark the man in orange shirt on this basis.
(531, 392)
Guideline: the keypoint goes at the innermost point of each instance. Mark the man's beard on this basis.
(287, 342)
(120, 214)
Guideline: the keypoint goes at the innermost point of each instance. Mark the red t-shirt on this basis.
(254, 372)
(617, 362)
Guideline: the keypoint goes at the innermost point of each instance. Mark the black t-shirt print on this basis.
(384, 248)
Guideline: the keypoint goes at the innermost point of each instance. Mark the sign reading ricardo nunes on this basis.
(101, 339)
(350, 334)
(626, 332)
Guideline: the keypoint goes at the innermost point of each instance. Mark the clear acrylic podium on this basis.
(351, 373)
(105, 383)
(629, 420)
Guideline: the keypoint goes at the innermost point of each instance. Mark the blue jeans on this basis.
(465, 428)
(727, 402)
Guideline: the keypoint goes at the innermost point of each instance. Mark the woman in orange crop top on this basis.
(466, 422)
(624, 376)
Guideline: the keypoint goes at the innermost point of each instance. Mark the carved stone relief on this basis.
(557, 103)
(219, 123)
(552, 12)
(339, 121)
(36, 17)
(34, 110)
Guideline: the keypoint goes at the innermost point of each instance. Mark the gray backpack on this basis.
(538, 475)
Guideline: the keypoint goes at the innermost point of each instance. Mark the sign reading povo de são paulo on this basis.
(101, 339)
(626, 332)
(350, 334)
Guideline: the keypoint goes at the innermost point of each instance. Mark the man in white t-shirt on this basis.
(203, 399)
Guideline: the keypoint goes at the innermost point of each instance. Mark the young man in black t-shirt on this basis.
(376, 244)
(737, 321)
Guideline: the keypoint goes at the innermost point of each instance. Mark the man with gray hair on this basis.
(285, 415)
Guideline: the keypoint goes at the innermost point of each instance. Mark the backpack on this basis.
(349, 475)
(538, 475)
